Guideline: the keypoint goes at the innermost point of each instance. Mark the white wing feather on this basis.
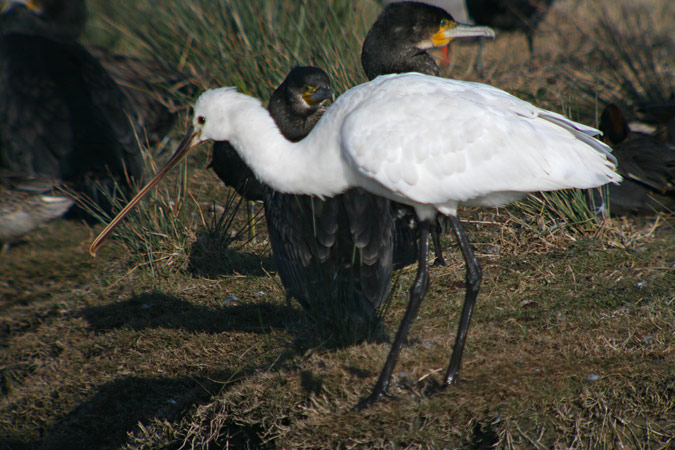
(487, 143)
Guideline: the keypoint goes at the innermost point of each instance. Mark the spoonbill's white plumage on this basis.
(425, 141)
(428, 142)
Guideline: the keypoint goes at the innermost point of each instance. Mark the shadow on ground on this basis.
(116, 408)
(213, 255)
(103, 421)
(159, 310)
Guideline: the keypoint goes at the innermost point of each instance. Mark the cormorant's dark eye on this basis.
(444, 23)
(201, 120)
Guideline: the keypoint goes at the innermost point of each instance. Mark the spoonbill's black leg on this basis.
(473, 277)
(417, 291)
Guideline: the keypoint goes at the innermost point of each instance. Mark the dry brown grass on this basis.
(99, 358)
(572, 344)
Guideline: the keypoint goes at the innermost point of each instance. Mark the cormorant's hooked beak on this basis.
(453, 30)
(318, 96)
(191, 140)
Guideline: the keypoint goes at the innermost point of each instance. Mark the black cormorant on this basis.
(61, 114)
(647, 164)
(334, 254)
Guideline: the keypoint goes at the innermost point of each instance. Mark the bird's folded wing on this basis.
(450, 140)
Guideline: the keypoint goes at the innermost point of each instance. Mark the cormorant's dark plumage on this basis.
(61, 114)
(646, 163)
(333, 254)
(289, 105)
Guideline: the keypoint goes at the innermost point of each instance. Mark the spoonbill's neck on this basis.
(312, 166)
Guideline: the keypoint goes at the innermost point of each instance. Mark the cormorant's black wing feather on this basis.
(372, 232)
(338, 249)
(290, 224)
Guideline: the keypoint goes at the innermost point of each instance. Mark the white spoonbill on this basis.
(428, 142)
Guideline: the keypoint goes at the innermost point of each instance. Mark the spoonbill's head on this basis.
(214, 113)
(209, 122)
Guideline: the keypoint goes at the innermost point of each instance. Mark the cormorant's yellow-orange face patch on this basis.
(307, 94)
(317, 95)
(33, 5)
(441, 37)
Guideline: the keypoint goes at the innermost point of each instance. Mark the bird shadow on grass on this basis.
(213, 255)
(132, 405)
(155, 310)
(112, 414)
(159, 310)
(117, 408)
